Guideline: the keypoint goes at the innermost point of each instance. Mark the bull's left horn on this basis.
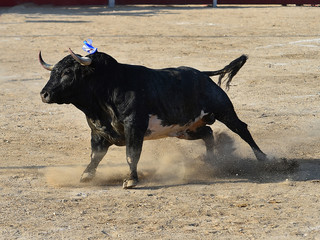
(85, 61)
(44, 64)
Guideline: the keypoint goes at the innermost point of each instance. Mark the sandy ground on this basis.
(45, 148)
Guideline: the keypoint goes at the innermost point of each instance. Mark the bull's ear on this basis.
(44, 64)
(84, 61)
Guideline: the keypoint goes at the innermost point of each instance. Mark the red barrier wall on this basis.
(7, 3)
(169, 2)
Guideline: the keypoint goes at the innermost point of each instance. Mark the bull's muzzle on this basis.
(45, 96)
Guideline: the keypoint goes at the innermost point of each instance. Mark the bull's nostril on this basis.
(45, 96)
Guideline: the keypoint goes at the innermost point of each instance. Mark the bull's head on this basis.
(62, 85)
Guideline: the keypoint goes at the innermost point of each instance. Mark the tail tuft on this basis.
(232, 69)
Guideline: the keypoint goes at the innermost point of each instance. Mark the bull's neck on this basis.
(91, 106)
(96, 93)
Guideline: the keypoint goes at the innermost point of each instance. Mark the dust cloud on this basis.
(168, 162)
(63, 176)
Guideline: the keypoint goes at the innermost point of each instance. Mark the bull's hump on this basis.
(157, 130)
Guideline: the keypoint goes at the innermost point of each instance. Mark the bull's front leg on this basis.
(134, 134)
(99, 148)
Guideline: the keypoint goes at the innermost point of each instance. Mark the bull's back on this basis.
(175, 95)
(178, 95)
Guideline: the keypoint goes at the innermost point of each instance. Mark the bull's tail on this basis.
(232, 69)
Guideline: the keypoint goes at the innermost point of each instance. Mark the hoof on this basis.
(128, 184)
(86, 177)
(261, 157)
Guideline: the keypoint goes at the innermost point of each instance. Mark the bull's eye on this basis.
(66, 72)
(66, 75)
(64, 78)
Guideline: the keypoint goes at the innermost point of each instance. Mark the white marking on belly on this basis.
(159, 131)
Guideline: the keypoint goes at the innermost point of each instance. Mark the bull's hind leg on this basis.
(99, 148)
(204, 133)
(231, 120)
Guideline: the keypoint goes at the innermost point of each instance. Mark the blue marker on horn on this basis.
(88, 46)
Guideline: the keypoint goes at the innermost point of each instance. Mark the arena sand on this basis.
(45, 148)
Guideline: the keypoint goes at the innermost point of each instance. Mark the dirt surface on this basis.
(45, 148)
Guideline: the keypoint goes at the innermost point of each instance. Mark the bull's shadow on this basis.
(241, 170)
(227, 166)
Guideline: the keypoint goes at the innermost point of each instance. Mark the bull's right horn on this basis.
(84, 61)
(44, 64)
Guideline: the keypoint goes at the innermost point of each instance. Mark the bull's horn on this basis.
(85, 61)
(44, 64)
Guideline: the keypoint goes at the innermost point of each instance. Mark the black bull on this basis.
(127, 104)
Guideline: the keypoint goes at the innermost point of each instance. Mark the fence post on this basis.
(214, 3)
(111, 3)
